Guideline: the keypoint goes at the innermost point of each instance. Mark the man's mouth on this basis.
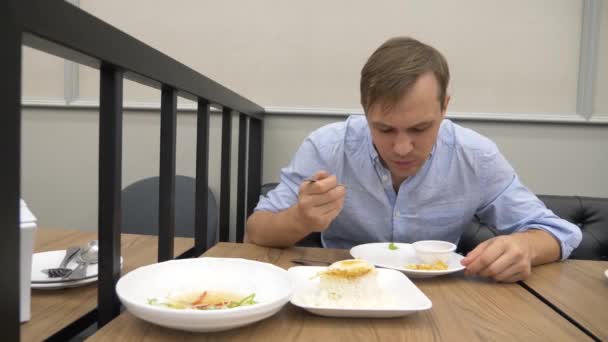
(404, 163)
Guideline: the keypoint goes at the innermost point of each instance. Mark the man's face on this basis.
(404, 135)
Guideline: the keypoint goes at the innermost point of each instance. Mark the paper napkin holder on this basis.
(28, 234)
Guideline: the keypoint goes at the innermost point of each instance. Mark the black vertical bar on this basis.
(201, 209)
(254, 182)
(110, 179)
(166, 198)
(10, 171)
(225, 174)
(241, 180)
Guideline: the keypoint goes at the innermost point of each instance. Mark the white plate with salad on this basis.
(205, 294)
(402, 257)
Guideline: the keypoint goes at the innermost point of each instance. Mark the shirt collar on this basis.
(373, 154)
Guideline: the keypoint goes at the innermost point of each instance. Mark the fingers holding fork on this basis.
(319, 176)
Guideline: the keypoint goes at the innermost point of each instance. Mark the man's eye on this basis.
(421, 129)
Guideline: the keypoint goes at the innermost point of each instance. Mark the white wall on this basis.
(505, 56)
(516, 58)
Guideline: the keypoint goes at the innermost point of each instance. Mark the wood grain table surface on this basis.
(579, 289)
(53, 310)
(464, 309)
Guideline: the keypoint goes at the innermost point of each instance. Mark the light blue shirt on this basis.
(465, 175)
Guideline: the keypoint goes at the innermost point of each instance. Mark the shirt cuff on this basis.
(564, 248)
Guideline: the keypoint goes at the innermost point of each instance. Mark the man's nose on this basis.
(403, 144)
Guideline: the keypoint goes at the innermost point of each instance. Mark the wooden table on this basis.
(466, 309)
(53, 310)
(577, 288)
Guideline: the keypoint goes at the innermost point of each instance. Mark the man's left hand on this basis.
(505, 258)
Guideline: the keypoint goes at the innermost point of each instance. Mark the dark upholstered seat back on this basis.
(588, 213)
(591, 216)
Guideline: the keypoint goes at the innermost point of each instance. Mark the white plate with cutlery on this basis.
(51, 259)
(399, 255)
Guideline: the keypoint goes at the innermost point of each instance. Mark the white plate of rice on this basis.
(398, 256)
(386, 293)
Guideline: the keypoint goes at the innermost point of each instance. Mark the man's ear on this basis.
(445, 106)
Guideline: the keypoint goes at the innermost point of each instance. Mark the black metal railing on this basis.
(59, 28)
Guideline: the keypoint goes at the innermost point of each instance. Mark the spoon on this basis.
(88, 256)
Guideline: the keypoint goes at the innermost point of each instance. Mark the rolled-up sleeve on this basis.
(305, 163)
(510, 207)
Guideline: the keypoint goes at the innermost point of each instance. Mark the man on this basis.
(403, 173)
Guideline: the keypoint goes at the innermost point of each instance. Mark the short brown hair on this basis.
(394, 68)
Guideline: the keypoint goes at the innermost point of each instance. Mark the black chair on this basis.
(588, 213)
(140, 208)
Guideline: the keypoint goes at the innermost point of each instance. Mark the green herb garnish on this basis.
(245, 301)
(392, 246)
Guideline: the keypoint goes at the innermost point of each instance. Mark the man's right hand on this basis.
(319, 202)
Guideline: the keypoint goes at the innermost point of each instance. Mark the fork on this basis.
(88, 256)
(62, 271)
(309, 262)
(311, 181)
